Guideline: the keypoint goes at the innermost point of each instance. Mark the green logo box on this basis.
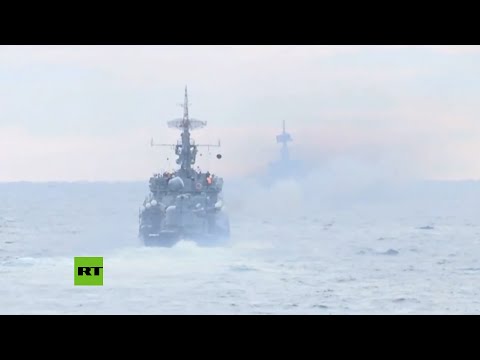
(88, 271)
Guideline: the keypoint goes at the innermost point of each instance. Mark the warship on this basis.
(285, 167)
(186, 203)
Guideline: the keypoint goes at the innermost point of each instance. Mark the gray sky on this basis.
(88, 112)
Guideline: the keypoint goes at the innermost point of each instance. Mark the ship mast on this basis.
(186, 150)
(284, 138)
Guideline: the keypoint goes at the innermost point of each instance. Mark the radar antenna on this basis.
(186, 123)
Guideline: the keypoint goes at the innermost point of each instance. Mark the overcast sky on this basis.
(88, 112)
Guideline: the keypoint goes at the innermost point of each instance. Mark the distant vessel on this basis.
(187, 203)
(285, 167)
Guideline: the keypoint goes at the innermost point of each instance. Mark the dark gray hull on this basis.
(209, 229)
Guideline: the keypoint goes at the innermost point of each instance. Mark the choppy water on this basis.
(284, 261)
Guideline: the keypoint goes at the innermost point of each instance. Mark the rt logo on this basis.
(88, 271)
